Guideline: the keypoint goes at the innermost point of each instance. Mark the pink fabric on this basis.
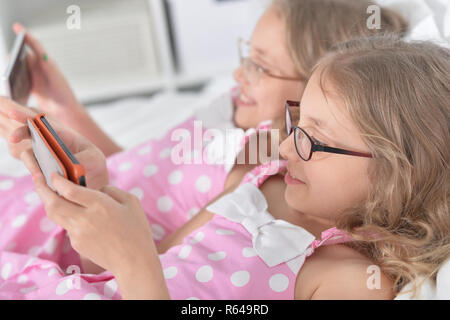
(170, 193)
(38, 262)
(214, 262)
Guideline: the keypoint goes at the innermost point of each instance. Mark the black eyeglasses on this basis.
(304, 144)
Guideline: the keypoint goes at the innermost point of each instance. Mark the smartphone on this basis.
(16, 81)
(52, 154)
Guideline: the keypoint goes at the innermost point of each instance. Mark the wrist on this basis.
(141, 278)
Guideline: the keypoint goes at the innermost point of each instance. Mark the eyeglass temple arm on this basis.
(341, 151)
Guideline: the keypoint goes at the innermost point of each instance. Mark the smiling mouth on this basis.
(244, 101)
(291, 179)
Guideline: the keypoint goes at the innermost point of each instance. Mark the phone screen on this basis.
(20, 80)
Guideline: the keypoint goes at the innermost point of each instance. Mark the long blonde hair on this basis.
(398, 95)
(314, 26)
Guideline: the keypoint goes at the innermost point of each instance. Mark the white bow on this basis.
(275, 241)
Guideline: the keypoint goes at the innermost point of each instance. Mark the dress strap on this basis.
(260, 173)
(329, 237)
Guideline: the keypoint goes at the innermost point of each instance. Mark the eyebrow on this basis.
(320, 124)
(263, 55)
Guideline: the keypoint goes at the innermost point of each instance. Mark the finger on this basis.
(30, 162)
(116, 193)
(58, 210)
(19, 134)
(35, 45)
(77, 194)
(9, 107)
(17, 27)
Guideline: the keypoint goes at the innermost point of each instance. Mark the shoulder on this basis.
(337, 272)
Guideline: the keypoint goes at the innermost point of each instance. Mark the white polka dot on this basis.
(216, 256)
(279, 282)
(192, 298)
(92, 296)
(165, 153)
(175, 177)
(203, 184)
(138, 192)
(64, 286)
(165, 204)
(32, 199)
(6, 270)
(157, 231)
(110, 288)
(6, 185)
(193, 212)
(170, 272)
(52, 271)
(240, 278)
(19, 221)
(22, 279)
(150, 170)
(51, 246)
(28, 289)
(224, 232)
(198, 237)
(144, 150)
(185, 252)
(46, 225)
(248, 252)
(204, 274)
(34, 251)
(30, 262)
(125, 166)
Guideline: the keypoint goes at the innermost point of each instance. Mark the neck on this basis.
(312, 224)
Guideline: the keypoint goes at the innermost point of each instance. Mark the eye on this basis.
(258, 66)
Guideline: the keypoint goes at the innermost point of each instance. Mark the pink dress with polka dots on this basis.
(241, 253)
(170, 194)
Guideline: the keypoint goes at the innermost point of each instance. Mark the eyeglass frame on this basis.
(315, 147)
(259, 67)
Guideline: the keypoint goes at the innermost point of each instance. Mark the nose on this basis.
(239, 75)
(287, 149)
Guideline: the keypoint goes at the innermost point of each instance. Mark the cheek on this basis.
(272, 98)
(331, 189)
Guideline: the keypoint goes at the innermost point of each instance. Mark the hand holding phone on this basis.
(52, 154)
(16, 80)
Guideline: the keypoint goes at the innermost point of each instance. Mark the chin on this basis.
(292, 196)
(243, 120)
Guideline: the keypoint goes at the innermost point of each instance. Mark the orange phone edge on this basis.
(75, 172)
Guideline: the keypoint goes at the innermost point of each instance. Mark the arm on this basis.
(348, 280)
(196, 222)
(56, 98)
(114, 221)
(84, 124)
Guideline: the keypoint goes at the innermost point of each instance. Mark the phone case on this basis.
(45, 157)
(52, 153)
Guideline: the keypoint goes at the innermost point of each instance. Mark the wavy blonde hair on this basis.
(398, 95)
(314, 26)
